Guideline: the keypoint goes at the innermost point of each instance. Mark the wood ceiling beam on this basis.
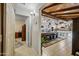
(66, 9)
(43, 12)
(54, 17)
(51, 5)
(61, 14)
(67, 17)
(50, 16)
(67, 13)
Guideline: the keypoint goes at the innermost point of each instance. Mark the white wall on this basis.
(10, 30)
(27, 31)
(21, 9)
(36, 38)
(19, 23)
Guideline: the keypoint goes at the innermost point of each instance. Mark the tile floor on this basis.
(24, 51)
(62, 48)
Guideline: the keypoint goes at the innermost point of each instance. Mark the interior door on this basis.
(24, 32)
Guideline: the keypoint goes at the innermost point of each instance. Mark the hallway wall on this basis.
(36, 38)
(10, 30)
(19, 24)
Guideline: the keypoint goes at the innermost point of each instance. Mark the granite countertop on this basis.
(48, 32)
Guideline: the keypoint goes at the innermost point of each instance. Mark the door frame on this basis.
(3, 9)
(40, 23)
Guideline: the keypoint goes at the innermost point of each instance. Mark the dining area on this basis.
(50, 36)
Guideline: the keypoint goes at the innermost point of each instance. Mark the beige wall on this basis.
(10, 30)
(33, 35)
(36, 38)
(19, 24)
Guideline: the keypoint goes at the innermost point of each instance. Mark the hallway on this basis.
(24, 51)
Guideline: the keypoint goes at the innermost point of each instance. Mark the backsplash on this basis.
(49, 25)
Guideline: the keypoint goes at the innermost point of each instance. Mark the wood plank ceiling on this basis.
(61, 10)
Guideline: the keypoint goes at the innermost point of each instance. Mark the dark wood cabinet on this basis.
(18, 34)
(21, 34)
(24, 32)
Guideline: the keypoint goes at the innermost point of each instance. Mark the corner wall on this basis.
(10, 30)
(36, 36)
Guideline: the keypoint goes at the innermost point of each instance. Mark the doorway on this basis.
(20, 34)
(22, 37)
(56, 32)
